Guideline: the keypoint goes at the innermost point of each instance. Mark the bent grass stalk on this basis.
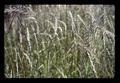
(72, 20)
(35, 36)
(28, 40)
(16, 60)
(28, 58)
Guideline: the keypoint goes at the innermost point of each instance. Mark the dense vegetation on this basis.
(59, 41)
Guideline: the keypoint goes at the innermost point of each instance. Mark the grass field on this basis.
(59, 41)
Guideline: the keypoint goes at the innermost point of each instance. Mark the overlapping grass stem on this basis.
(59, 41)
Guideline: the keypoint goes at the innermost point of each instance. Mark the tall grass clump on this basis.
(59, 41)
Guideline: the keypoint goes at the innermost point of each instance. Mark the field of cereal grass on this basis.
(59, 41)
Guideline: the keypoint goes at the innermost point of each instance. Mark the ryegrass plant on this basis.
(60, 41)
